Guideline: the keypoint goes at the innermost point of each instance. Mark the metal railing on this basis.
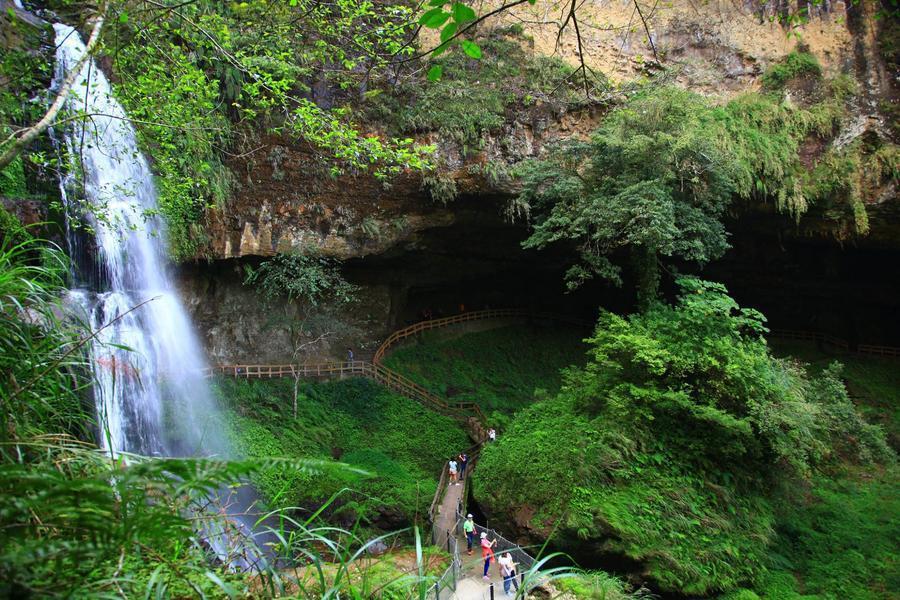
(449, 539)
(445, 585)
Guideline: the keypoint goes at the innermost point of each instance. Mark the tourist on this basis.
(463, 461)
(453, 468)
(508, 571)
(492, 435)
(349, 355)
(487, 552)
(469, 528)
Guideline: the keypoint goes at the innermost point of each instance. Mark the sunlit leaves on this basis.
(462, 13)
(452, 22)
(435, 72)
(434, 18)
(471, 49)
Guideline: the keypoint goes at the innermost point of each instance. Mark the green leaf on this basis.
(123, 17)
(448, 31)
(462, 13)
(434, 18)
(438, 2)
(471, 48)
(435, 72)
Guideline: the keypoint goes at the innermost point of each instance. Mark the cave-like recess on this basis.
(849, 290)
(799, 282)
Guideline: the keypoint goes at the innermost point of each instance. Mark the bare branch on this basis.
(647, 30)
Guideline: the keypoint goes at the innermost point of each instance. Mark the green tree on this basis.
(314, 290)
(654, 180)
(671, 445)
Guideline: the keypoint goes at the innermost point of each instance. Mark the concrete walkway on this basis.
(471, 584)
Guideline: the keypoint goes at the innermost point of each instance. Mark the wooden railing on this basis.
(422, 326)
(358, 368)
(469, 412)
(473, 453)
(476, 315)
(878, 350)
(810, 336)
(835, 342)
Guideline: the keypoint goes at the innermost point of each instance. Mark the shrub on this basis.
(669, 447)
(792, 66)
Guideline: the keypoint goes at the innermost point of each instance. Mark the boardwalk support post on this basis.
(492, 591)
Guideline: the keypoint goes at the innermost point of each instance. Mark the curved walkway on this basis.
(467, 412)
(463, 579)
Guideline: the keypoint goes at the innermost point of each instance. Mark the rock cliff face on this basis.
(409, 251)
(399, 240)
(284, 200)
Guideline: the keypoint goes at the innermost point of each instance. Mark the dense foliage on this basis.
(302, 277)
(71, 514)
(198, 77)
(22, 75)
(79, 522)
(677, 434)
(654, 179)
(356, 422)
(498, 369)
(473, 98)
(657, 176)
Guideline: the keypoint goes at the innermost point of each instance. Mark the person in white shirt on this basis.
(492, 435)
(508, 570)
(454, 467)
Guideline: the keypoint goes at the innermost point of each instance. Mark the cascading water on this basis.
(151, 397)
(150, 393)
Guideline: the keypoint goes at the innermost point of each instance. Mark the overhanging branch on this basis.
(25, 136)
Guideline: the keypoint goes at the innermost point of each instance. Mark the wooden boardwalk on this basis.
(468, 412)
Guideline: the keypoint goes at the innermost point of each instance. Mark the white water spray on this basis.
(151, 397)
(150, 393)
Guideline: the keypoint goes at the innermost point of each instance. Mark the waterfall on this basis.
(150, 394)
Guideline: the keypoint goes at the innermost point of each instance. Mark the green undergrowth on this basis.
(837, 536)
(498, 369)
(401, 444)
(685, 447)
(783, 145)
(174, 104)
(598, 585)
(838, 539)
(873, 382)
(794, 65)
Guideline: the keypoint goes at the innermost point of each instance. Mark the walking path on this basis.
(463, 580)
(470, 582)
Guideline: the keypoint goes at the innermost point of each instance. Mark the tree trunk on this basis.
(646, 273)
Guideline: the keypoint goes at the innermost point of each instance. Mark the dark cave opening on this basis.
(803, 283)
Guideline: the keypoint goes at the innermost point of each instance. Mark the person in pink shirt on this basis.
(487, 552)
